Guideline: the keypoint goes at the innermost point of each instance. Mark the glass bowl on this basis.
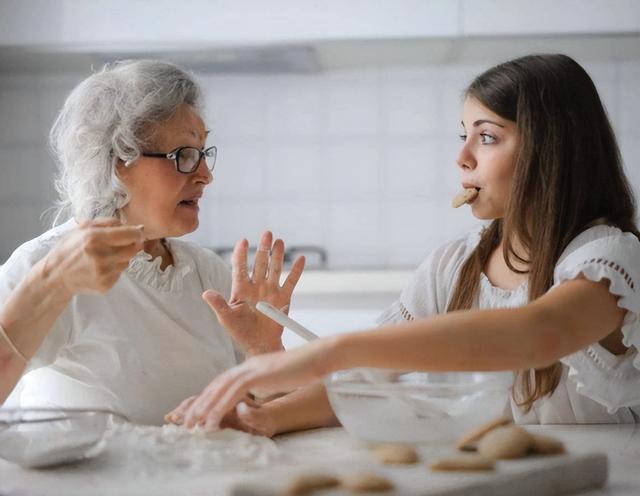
(43, 437)
(377, 405)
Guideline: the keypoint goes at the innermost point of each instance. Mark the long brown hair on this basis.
(567, 173)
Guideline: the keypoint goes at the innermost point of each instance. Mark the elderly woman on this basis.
(106, 309)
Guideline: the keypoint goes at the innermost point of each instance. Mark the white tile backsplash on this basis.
(413, 170)
(629, 101)
(361, 162)
(294, 171)
(294, 107)
(352, 105)
(352, 170)
(297, 222)
(412, 108)
(17, 178)
(240, 170)
(20, 115)
(235, 106)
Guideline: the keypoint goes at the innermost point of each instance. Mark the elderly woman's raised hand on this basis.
(91, 258)
(253, 331)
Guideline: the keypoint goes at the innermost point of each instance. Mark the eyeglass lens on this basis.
(188, 158)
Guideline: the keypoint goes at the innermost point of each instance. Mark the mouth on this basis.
(189, 202)
(471, 186)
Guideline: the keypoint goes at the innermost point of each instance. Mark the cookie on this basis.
(307, 483)
(463, 463)
(505, 443)
(465, 196)
(546, 445)
(469, 442)
(361, 482)
(395, 454)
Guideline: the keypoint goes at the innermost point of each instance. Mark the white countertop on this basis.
(352, 281)
(322, 449)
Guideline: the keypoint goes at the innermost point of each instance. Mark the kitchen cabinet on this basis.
(78, 26)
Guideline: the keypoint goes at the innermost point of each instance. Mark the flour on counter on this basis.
(150, 450)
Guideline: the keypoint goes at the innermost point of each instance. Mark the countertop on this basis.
(321, 449)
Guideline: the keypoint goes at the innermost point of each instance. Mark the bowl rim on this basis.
(16, 415)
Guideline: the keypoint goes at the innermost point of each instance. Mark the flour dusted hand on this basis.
(252, 330)
(91, 258)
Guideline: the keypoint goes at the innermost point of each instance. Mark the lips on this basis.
(191, 201)
(469, 185)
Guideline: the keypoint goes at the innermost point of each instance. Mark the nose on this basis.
(202, 172)
(465, 158)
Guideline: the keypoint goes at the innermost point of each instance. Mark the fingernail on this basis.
(242, 408)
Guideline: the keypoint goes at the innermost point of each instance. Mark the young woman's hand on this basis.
(91, 258)
(254, 332)
(262, 375)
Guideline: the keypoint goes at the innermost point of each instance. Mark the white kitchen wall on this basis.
(360, 162)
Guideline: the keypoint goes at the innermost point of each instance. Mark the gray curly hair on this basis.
(105, 118)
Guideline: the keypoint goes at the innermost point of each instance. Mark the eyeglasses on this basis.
(187, 158)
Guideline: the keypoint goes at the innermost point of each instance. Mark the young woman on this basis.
(550, 288)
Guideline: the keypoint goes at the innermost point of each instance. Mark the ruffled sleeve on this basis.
(429, 289)
(607, 253)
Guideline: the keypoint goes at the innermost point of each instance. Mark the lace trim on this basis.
(504, 293)
(605, 378)
(396, 313)
(613, 265)
(406, 315)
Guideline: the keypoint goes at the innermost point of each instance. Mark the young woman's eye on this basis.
(487, 139)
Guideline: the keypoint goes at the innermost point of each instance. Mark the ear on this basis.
(122, 168)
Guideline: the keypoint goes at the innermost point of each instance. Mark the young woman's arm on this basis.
(565, 320)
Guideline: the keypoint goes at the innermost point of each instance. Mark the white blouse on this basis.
(596, 386)
(139, 349)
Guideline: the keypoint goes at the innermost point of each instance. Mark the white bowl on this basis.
(42, 437)
(416, 407)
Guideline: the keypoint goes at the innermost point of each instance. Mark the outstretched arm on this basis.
(565, 320)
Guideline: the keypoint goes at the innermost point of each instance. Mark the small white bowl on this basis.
(44, 437)
(416, 407)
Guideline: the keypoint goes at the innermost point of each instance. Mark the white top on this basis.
(596, 386)
(141, 348)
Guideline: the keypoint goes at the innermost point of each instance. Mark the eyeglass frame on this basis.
(173, 155)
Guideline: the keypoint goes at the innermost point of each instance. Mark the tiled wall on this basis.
(360, 162)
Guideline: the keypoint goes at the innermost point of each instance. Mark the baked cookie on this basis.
(505, 443)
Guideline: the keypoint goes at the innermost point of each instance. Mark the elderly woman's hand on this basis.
(247, 416)
(91, 258)
(253, 331)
